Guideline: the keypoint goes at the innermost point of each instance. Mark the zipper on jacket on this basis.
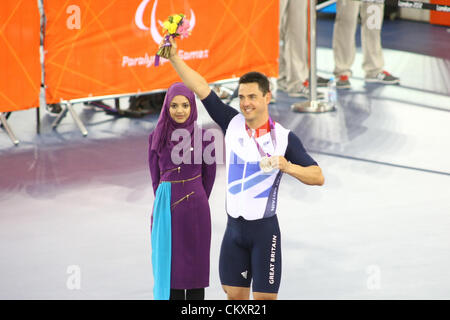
(185, 197)
(170, 170)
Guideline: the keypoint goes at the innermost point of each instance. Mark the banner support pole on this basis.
(77, 119)
(313, 105)
(60, 116)
(67, 107)
(5, 125)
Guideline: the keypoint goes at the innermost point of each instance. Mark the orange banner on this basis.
(102, 47)
(20, 69)
(440, 17)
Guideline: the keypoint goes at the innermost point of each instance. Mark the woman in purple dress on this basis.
(186, 187)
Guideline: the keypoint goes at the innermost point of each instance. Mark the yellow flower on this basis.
(172, 28)
(166, 24)
(177, 18)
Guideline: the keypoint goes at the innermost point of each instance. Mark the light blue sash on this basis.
(162, 242)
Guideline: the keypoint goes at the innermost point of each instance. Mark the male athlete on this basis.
(258, 151)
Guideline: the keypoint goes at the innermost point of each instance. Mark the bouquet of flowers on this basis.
(176, 25)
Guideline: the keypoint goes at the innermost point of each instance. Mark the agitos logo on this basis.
(147, 59)
(139, 20)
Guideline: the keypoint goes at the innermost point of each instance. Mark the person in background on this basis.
(293, 63)
(344, 42)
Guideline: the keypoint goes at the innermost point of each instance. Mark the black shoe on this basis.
(53, 109)
(322, 82)
(383, 77)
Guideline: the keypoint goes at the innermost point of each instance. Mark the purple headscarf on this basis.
(166, 125)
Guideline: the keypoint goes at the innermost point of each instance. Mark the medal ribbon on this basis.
(272, 137)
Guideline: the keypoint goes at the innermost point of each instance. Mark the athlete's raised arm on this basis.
(191, 78)
(219, 111)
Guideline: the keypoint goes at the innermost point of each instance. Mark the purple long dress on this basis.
(191, 185)
(191, 221)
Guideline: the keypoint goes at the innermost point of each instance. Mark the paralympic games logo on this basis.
(138, 19)
(147, 60)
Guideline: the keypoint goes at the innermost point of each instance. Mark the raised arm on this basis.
(220, 112)
(191, 78)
